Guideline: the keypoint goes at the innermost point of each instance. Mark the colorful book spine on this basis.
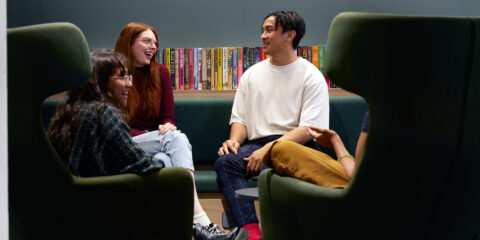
(246, 55)
(185, 69)
(321, 65)
(262, 54)
(160, 56)
(305, 53)
(230, 68)
(321, 58)
(309, 53)
(212, 68)
(224, 63)
(167, 64)
(203, 68)
(330, 84)
(251, 56)
(234, 68)
(258, 55)
(239, 64)
(208, 68)
(163, 57)
(195, 69)
(190, 69)
(315, 56)
(219, 68)
(177, 84)
(215, 68)
(172, 66)
(181, 65)
(299, 51)
(199, 70)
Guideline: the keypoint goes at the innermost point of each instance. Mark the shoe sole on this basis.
(242, 234)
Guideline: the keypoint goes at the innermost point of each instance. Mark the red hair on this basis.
(151, 86)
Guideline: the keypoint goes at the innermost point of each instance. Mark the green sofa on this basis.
(205, 122)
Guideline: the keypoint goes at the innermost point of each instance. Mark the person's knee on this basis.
(284, 150)
(219, 163)
(283, 147)
(172, 134)
(178, 138)
(226, 161)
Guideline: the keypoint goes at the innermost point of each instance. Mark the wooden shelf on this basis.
(231, 93)
(218, 93)
(204, 94)
(340, 92)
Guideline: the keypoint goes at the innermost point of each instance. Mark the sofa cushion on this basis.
(206, 181)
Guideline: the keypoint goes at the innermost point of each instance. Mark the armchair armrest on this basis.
(158, 199)
(294, 209)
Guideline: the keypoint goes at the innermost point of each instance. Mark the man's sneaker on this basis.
(213, 232)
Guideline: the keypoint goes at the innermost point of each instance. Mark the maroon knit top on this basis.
(142, 124)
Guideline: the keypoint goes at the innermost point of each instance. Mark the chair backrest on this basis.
(420, 75)
(42, 60)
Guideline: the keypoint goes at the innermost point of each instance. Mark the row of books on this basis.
(221, 68)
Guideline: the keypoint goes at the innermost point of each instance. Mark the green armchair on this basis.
(419, 176)
(45, 200)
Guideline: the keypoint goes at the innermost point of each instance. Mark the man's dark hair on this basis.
(289, 20)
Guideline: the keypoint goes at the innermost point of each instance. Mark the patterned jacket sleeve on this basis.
(125, 156)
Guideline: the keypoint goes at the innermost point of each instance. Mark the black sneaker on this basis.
(213, 232)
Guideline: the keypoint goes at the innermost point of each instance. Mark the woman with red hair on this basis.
(151, 116)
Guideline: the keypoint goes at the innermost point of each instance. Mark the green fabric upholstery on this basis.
(45, 200)
(419, 176)
(205, 122)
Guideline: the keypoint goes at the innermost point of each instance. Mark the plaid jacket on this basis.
(101, 144)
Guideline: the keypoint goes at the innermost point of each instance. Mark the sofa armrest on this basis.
(158, 199)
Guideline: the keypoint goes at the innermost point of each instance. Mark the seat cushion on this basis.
(206, 181)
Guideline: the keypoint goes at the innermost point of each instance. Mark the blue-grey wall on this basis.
(211, 23)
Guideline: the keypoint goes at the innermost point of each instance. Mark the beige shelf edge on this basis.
(219, 93)
(231, 93)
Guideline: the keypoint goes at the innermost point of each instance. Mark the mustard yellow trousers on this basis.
(295, 160)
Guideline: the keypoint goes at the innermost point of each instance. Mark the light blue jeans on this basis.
(173, 148)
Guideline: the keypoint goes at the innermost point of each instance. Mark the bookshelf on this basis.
(221, 68)
(218, 93)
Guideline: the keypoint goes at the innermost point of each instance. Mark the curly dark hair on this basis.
(105, 64)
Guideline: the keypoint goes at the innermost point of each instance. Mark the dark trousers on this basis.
(231, 171)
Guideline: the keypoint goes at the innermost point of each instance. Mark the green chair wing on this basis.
(45, 200)
(419, 174)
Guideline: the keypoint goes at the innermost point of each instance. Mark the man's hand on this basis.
(231, 145)
(162, 129)
(255, 161)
